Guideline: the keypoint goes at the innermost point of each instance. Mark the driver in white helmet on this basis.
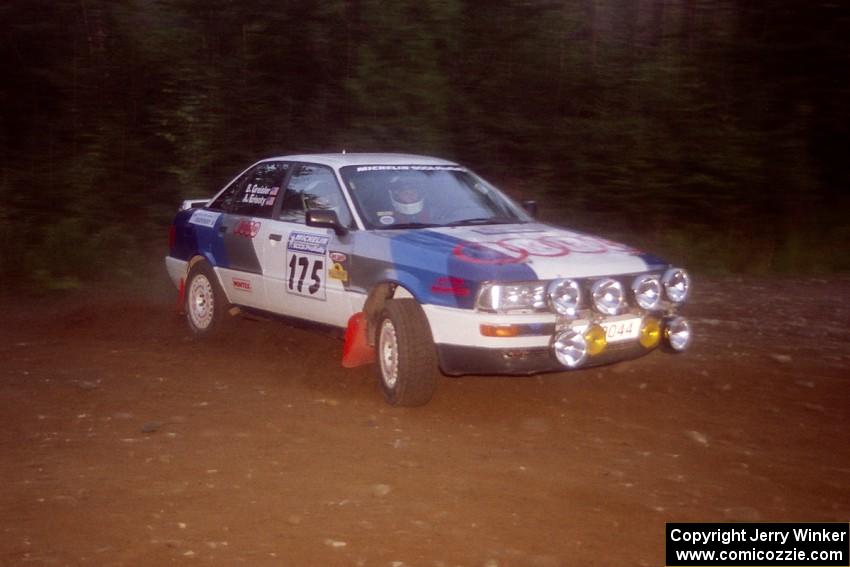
(409, 203)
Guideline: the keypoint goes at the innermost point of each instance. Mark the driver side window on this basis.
(313, 187)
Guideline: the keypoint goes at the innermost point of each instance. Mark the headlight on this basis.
(564, 297)
(677, 283)
(647, 291)
(522, 296)
(608, 296)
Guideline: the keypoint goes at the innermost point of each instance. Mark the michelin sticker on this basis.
(409, 168)
(306, 266)
(308, 243)
(204, 218)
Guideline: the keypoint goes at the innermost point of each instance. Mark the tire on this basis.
(407, 361)
(205, 303)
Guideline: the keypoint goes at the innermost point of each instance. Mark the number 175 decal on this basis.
(306, 266)
(306, 276)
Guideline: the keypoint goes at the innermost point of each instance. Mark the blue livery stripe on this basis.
(446, 270)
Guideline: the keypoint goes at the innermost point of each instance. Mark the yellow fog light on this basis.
(650, 332)
(596, 341)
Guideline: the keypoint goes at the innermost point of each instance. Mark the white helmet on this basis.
(407, 200)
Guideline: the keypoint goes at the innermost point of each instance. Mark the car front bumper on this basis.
(459, 360)
(463, 348)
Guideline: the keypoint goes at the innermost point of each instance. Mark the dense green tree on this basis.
(689, 125)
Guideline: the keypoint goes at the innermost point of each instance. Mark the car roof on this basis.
(343, 159)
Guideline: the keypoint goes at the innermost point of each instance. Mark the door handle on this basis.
(276, 237)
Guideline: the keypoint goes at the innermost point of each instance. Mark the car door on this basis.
(247, 214)
(306, 268)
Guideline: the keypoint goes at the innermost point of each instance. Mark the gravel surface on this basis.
(126, 442)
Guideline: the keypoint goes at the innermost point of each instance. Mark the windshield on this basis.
(410, 196)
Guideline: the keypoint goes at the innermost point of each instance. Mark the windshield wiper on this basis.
(409, 225)
(484, 220)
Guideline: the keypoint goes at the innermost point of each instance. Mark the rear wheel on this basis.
(407, 361)
(206, 305)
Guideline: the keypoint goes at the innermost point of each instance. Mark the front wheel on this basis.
(206, 305)
(407, 361)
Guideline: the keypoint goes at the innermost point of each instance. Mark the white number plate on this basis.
(306, 275)
(622, 330)
(306, 264)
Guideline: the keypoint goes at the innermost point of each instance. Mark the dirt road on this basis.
(124, 442)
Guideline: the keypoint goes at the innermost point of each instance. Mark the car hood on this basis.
(539, 250)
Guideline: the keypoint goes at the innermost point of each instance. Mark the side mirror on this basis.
(322, 218)
(530, 208)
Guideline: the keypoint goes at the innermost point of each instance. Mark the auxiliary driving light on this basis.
(608, 296)
(647, 291)
(677, 333)
(650, 333)
(677, 284)
(570, 348)
(596, 340)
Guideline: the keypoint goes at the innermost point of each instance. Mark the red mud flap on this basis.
(355, 351)
(181, 297)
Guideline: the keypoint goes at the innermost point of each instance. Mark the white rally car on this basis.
(425, 265)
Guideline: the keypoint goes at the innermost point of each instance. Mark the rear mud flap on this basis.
(181, 298)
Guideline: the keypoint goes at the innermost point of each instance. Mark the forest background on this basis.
(714, 132)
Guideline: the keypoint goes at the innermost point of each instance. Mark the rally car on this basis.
(424, 265)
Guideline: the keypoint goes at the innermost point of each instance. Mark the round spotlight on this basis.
(596, 339)
(677, 333)
(570, 348)
(647, 291)
(677, 284)
(650, 333)
(608, 296)
(565, 297)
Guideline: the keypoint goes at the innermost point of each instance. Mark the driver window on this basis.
(313, 187)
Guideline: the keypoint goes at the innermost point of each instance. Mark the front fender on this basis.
(428, 287)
